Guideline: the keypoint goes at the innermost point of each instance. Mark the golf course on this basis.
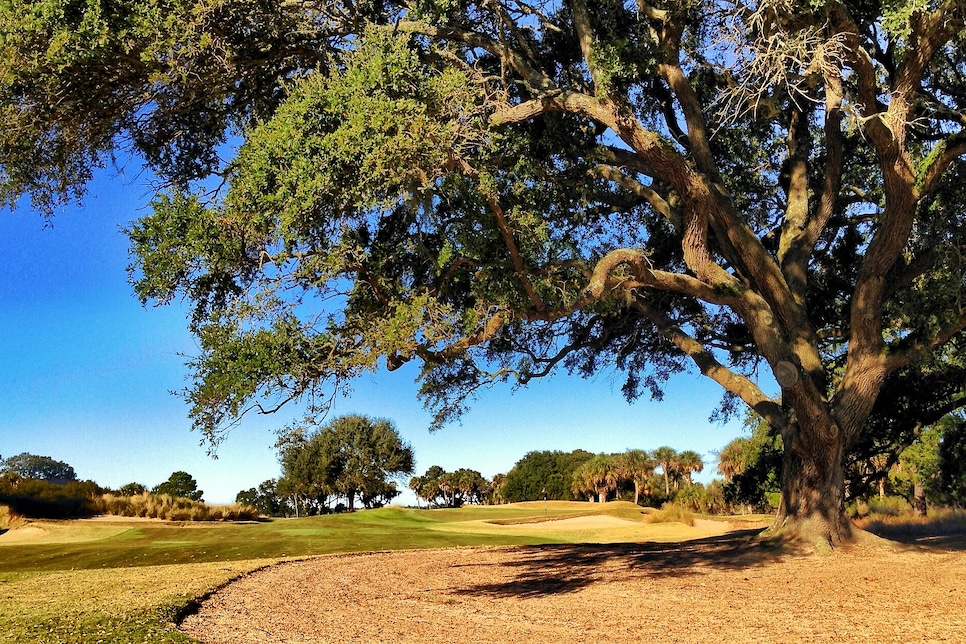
(114, 579)
(403, 574)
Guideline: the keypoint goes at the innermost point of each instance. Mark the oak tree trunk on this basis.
(919, 507)
(813, 488)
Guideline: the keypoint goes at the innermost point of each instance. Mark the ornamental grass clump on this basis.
(671, 513)
(10, 520)
(173, 508)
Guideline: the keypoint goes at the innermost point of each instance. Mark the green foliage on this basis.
(890, 506)
(919, 465)
(131, 489)
(179, 484)
(596, 476)
(444, 489)
(952, 461)
(752, 467)
(351, 456)
(39, 498)
(645, 189)
(265, 498)
(537, 471)
(169, 77)
(31, 466)
(898, 16)
(703, 499)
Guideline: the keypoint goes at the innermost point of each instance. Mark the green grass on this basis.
(122, 581)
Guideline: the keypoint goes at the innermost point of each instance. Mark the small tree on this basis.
(552, 471)
(179, 484)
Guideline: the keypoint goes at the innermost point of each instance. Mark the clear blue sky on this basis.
(87, 374)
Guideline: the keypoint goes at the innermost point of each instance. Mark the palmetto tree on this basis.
(689, 462)
(595, 476)
(666, 457)
(635, 465)
(733, 458)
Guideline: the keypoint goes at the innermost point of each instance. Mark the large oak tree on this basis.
(765, 192)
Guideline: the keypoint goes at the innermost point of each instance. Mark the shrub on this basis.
(47, 500)
(858, 509)
(939, 522)
(671, 513)
(890, 506)
(773, 499)
(172, 508)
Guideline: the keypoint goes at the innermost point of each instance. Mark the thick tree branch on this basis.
(944, 155)
(646, 193)
(709, 366)
(515, 256)
(908, 351)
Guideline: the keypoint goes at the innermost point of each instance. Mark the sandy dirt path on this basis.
(717, 589)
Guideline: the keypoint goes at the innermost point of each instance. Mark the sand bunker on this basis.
(26, 533)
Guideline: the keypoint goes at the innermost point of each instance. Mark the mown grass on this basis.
(110, 580)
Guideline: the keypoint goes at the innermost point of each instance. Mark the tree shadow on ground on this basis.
(554, 569)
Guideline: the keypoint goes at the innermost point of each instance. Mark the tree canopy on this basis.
(767, 192)
(539, 471)
(31, 466)
(350, 456)
(181, 484)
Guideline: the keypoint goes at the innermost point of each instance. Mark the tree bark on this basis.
(813, 488)
(919, 507)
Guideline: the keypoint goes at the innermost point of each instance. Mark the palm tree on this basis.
(416, 484)
(595, 476)
(635, 465)
(688, 462)
(666, 457)
(733, 458)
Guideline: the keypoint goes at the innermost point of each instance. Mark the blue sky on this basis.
(87, 374)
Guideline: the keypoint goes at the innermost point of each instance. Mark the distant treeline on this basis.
(40, 487)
